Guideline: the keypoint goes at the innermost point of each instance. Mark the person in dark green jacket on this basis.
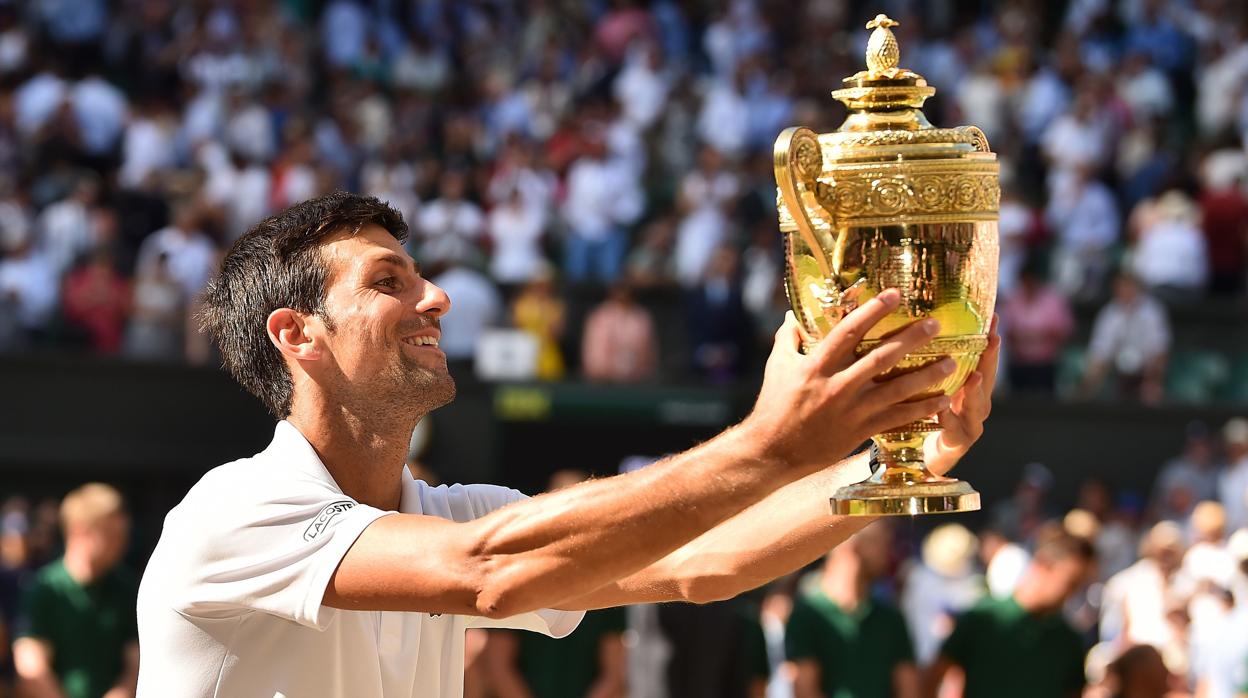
(1021, 646)
(77, 633)
(842, 642)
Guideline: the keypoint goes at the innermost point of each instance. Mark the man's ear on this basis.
(289, 331)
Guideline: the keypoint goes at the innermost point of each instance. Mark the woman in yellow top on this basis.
(540, 312)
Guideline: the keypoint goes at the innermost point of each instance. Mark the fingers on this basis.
(906, 412)
(989, 360)
(908, 385)
(893, 350)
(789, 336)
(835, 349)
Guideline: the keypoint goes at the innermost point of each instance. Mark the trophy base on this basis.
(935, 496)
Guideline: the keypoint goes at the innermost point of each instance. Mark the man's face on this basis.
(382, 329)
(1063, 578)
(105, 540)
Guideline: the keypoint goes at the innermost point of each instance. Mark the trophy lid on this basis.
(888, 98)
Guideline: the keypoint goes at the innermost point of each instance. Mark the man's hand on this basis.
(813, 409)
(963, 422)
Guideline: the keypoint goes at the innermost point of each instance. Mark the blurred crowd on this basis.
(1128, 594)
(592, 180)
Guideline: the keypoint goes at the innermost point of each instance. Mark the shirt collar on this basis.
(292, 450)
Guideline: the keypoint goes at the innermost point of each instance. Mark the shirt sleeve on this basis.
(269, 547)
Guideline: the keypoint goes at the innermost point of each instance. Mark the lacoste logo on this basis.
(327, 514)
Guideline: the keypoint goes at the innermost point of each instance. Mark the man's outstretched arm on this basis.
(562, 545)
(792, 526)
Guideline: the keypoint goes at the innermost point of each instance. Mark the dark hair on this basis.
(278, 264)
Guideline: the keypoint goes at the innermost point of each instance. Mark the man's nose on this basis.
(433, 301)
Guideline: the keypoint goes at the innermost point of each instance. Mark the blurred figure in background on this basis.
(1138, 600)
(1038, 323)
(158, 314)
(619, 343)
(1130, 342)
(942, 584)
(540, 312)
(1169, 255)
(1022, 645)
(843, 642)
(78, 636)
(1190, 477)
(718, 324)
(1233, 484)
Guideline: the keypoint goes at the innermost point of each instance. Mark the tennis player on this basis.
(318, 567)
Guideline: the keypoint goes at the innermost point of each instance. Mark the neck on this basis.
(845, 582)
(365, 456)
(79, 566)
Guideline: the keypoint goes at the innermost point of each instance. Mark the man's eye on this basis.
(389, 282)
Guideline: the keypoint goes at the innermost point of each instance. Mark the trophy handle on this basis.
(798, 160)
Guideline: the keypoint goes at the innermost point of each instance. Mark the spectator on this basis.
(1190, 477)
(538, 311)
(718, 323)
(1169, 255)
(1137, 600)
(79, 637)
(1140, 672)
(1023, 642)
(66, 232)
(28, 284)
(841, 640)
(1131, 341)
(602, 200)
(1224, 213)
(705, 196)
(190, 254)
(515, 228)
(619, 344)
(1084, 217)
(96, 300)
(942, 584)
(1233, 484)
(158, 313)
(1037, 324)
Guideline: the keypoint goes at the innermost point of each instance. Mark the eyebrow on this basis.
(399, 262)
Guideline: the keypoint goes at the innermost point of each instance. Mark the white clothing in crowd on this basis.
(31, 279)
(147, 146)
(723, 122)
(515, 229)
(603, 195)
(1128, 337)
(450, 229)
(192, 258)
(65, 233)
(1171, 253)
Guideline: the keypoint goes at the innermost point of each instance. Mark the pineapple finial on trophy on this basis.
(883, 55)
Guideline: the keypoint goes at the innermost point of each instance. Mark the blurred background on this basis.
(591, 182)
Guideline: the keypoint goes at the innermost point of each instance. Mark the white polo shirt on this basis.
(230, 604)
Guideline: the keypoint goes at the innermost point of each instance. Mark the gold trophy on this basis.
(889, 201)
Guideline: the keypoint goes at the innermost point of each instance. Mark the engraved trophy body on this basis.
(889, 201)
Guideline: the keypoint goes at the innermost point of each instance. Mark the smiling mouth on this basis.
(422, 341)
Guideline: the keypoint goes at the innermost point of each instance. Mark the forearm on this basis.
(565, 544)
(783, 532)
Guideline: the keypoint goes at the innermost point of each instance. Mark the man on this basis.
(1021, 646)
(844, 643)
(317, 568)
(78, 638)
(1233, 484)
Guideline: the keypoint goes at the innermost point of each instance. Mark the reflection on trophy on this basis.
(889, 201)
